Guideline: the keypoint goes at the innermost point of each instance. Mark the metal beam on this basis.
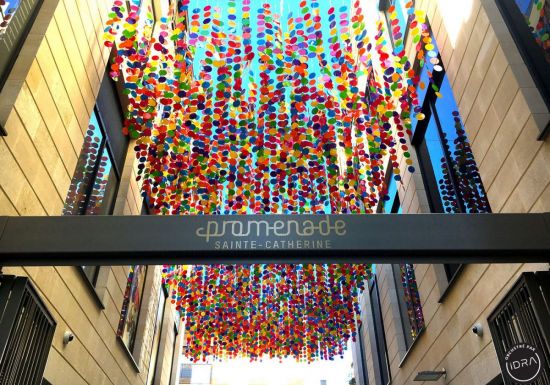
(422, 238)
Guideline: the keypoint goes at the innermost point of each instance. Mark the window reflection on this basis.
(91, 273)
(156, 338)
(397, 18)
(454, 180)
(7, 10)
(94, 182)
(129, 314)
(411, 300)
(392, 205)
(412, 317)
(537, 17)
(102, 190)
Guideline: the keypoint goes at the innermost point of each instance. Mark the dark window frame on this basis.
(13, 55)
(130, 350)
(106, 142)
(363, 372)
(419, 143)
(104, 147)
(145, 209)
(383, 368)
(405, 321)
(384, 6)
(108, 111)
(409, 342)
(163, 297)
(428, 174)
(406, 325)
(103, 150)
(530, 51)
(429, 109)
(91, 283)
(107, 93)
(175, 367)
(130, 2)
(133, 342)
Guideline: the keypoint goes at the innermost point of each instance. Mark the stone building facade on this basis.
(55, 92)
(420, 318)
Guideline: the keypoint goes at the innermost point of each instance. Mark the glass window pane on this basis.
(421, 91)
(379, 332)
(104, 189)
(81, 183)
(91, 273)
(186, 373)
(392, 194)
(537, 17)
(398, 21)
(440, 168)
(156, 338)
(131, 305)
(402, 19)
(94, 183)
(15, 17)
(7, 10)
(411, 298)
(465, 175)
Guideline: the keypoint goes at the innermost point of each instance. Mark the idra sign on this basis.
(242, 233)
(524, 363)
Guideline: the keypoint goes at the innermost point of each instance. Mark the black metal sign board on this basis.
(524, 363)
(423, 238)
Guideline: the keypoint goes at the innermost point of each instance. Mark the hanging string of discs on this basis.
(249, 107)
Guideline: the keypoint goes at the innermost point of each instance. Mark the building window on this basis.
(397, 19)
(362, 369)
(145, 210)
(523, 316)
(7, 10)
(196, 374)
(95, 181)
(410, 308)
(129, 315)
(175, 354)
(16, 19)
(392, 204)
(133, 3)
(529, 24)
(27, 330)
(451, 270)
(186, 373)
(91, 273)
(536, 14)
(97, 175)
(382, 369)
(450, 172)
(156, 337)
